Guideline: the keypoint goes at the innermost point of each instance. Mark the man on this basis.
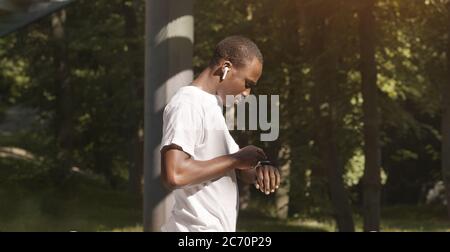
(199, 157)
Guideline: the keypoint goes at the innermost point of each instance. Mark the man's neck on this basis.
(206, 81)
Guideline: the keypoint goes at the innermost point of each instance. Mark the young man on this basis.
(199, 157)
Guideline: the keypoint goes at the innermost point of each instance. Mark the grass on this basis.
(89, 207)
(415, 219)
(80, 208)
(394, 219)
(251, 221)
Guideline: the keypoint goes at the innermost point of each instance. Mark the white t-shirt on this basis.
(194, 121)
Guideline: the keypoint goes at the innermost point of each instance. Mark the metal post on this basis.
(168, 66)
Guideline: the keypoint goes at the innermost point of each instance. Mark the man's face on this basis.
(240, 81)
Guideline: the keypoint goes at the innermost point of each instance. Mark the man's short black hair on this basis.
(238, 50)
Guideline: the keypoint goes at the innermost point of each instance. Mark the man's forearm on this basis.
(182, 170)
(195, 171)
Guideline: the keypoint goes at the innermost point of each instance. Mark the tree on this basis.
(133, 40)
(325, 26)
(371, 178)
(64, 104)
(445, 130)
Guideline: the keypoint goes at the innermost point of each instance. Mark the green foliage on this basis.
(103, 49)
(105, 72)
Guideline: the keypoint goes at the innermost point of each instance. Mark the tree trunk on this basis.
(371, 179)
(445, 155)
(316, 46)
(282, 194)
(284, 147)
(325, 92)
(64, 110)
(338, 193)
(135, 83)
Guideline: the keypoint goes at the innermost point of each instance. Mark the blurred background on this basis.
(364, 114)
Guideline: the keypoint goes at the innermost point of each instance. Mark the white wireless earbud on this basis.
(225, 71)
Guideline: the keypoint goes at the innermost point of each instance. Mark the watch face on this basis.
(265, 162)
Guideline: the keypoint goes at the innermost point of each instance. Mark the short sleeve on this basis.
(183, 126)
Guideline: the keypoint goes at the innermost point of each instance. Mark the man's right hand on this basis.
(248, 157)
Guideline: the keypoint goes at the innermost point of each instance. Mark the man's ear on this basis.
(226, 67)
(225, 72)
(226, 64)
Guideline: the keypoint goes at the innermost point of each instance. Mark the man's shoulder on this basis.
(187, 97)
(182, 106)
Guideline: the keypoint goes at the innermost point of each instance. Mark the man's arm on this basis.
(178, 169)
(247, 176)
